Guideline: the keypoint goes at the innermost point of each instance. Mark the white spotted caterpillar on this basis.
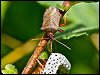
(54, 61)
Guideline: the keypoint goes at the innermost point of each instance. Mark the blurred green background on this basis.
(21, 21)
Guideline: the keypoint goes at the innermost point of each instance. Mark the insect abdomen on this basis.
(51, 19)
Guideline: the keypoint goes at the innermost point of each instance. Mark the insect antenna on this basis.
(40, 38)
(62, 44)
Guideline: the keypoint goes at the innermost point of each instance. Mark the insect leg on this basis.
(40, 63)
(44, 60)
(64, 22)
(40, 38)
(51, 45)
(60, 30)
(40, 68)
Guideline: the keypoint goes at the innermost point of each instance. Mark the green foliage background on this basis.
(23, 19)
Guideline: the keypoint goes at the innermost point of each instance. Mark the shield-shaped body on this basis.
(51, 19)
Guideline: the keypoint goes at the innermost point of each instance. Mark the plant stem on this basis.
(32, 61)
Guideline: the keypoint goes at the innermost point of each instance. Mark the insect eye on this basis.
(54, 61)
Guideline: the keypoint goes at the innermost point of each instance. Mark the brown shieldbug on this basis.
(51, 20)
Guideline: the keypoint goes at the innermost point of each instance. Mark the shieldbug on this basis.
(50, 25)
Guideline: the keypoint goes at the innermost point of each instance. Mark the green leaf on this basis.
(44, 55)
(62, 70)
(5, 72)
(4, 7)
(75, 35)
(84, 19)
(10, 69)
(59, 7)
